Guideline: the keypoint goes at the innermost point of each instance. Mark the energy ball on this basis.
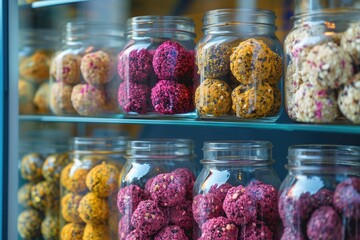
(350, 41)
(135, 66)
(24, 195)
(173, 62)
(171, 232)
(134, 97)
(124, 227)
(324, 223)
(26, 94)
(31, 166)
(324, 197)
(181, 214)
(97, 68)
(293, 81)
(251, 61)
(147, 188)
(187, 178)
(275, 108)
(73, 177)
(137, 235)
(96, 232)
(255, 231)
(148, 218)
(88, 100)
(347, 198)
(60, 99)
(72, 231)
(205, 207)
(50, 227)
(220, 190)
(328, 66)
(36, 67)
(349, 99)
(170, 97)
(41, 98)
(93, 209)
(29, 223)
(129, 198)
(213, 97)
(53, 166)
(219, 228)
(45, 196)
(103, 179)
(69, 207)
(65, 68)
(292, 234)
(276, 69)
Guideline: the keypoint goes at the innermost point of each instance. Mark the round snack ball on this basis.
(347, 99)
(240, 205)
(276, 69)
(147, 188)
(60, 99)
(252, 102)
(291, 234)
(69, 207)
(41, 98)
(275, 108)
(26, 94)
(103, 179)
(206, 206)
(72, 231)
(28, 224)
(173, 62)
(96, 232)
(220, 191)
(65, 68)
(50, 227)
(135, 66)
(45, 196)
(171, 232)
(255, 231)
(313, 104)
(129, 198)
(97, 67)
(148, 218)
(213, 61)
(350, 41)
(328, 66)
(293, 81)
(24, 195)
(213, 97)
(181, 214)
(167, 189)
(31, 166)
(93, 209)
(324, 197)
(88, 100)
(188, 179)
(137, 235)
(73, 177)
(347, 198)
(124, 227)
(219, 228)
(324, 223)
(53, 166)
(36, 67)
(251, 61)
(170, 97)
(134, 97)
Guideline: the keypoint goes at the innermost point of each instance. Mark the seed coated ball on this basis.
(88, 100)
(96, 232)
(53, 166)
(293, 81)
(276, 69)
(93, 209)
(134, 97)
(60, 99)
(129, 198)
(45, 196)
(324, 197)
(41, 98)
(50, 227)
(69, 207)
(220, 190)
(36, 67)
(181, 214)
(102, 180)
(124, 227)
(65, 68)
(256, 230)
(24, 195)
(206, 206)
(347, 198)
(171, 232)
(137, 235)
(26, 94)
(349, 99)
(219, 228)
(29, 223)
(72, 231)
(31, 166)
(350, 41)
(277, 102)
(73, 177)
(292, 234)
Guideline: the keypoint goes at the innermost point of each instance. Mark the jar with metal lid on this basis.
(239, 60)
(157, 67)
(83, 79)
(235, 194)
(322, 83)
(320, 196)
(89, 186)
(155, 197)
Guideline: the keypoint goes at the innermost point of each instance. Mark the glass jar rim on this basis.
(89, 144)
(325, 12)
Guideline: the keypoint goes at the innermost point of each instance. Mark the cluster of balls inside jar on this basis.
(159, 80)
(322, 81)
(161, 210)
(232, 213)
(240, 81)
(325, 214)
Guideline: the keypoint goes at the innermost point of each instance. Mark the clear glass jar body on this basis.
(322, 84)
(157, 67)
(239, 60)
(83, 70)
(320, 197)
(237, 187)
(89, 186)
(156, 189)
(36, 48)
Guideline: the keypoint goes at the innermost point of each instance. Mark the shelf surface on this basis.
(353, 129)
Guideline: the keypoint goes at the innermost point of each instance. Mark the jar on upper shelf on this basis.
(157, 68)
(239, 60)
(322, 83)
(320, 196)
(83, 70)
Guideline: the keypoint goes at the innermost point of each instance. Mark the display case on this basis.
(52, 14)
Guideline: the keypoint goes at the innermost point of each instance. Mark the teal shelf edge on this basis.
(352, 129)
(50, 3)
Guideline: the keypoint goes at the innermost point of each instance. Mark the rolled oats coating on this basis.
(349, 100)
(65, 68)
(293, 81)
(88, 100)
(60, 99)
(350, 41)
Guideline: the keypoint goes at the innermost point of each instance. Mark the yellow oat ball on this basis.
(53, 165)
(93, 209)
(72, 231)
(24, 195)
(45, 196)
(96, 232)
(29, 222)
(69, 207)
(50, 227)
(73, 177)
(31, 166)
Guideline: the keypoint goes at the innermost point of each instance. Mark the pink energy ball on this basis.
(128, 198)
(181, 214)
(347, 198)
(188, 179)
(125, 227)
(219, 228)
(205, 207)
(255, 231)
(88, 100)
(135, 66)
(137, 235)
(221, 190)
(133, 97)
(171, 232)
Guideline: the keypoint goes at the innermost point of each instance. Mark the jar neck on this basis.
(41, 38)
(87, 145)
(304, 6)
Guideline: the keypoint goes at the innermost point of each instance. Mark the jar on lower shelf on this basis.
(320, 197)
(235, 194)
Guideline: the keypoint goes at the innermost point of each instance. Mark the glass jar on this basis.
(239, 60)
(237, 190)
(320, 196)
(36, 48)
(89, 186)
(157, 67)
(322, 83)
(156, 190)
(83, 79)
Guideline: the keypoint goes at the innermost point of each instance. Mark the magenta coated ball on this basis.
(188, 179)
(129, 198)
(206, 206)
(324, 197)
(125, 227)
(171, 232)
(219, 228)
(133, 97)
(347, 198)
(255, 231)
(220, 190)
(137, 235)
(292, 234)
(181, 214)
(135, 66)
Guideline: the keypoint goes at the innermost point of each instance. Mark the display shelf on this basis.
(50, 3)
(353, 129)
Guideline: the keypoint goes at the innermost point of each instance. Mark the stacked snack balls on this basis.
(158, 75)
(156, 204)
